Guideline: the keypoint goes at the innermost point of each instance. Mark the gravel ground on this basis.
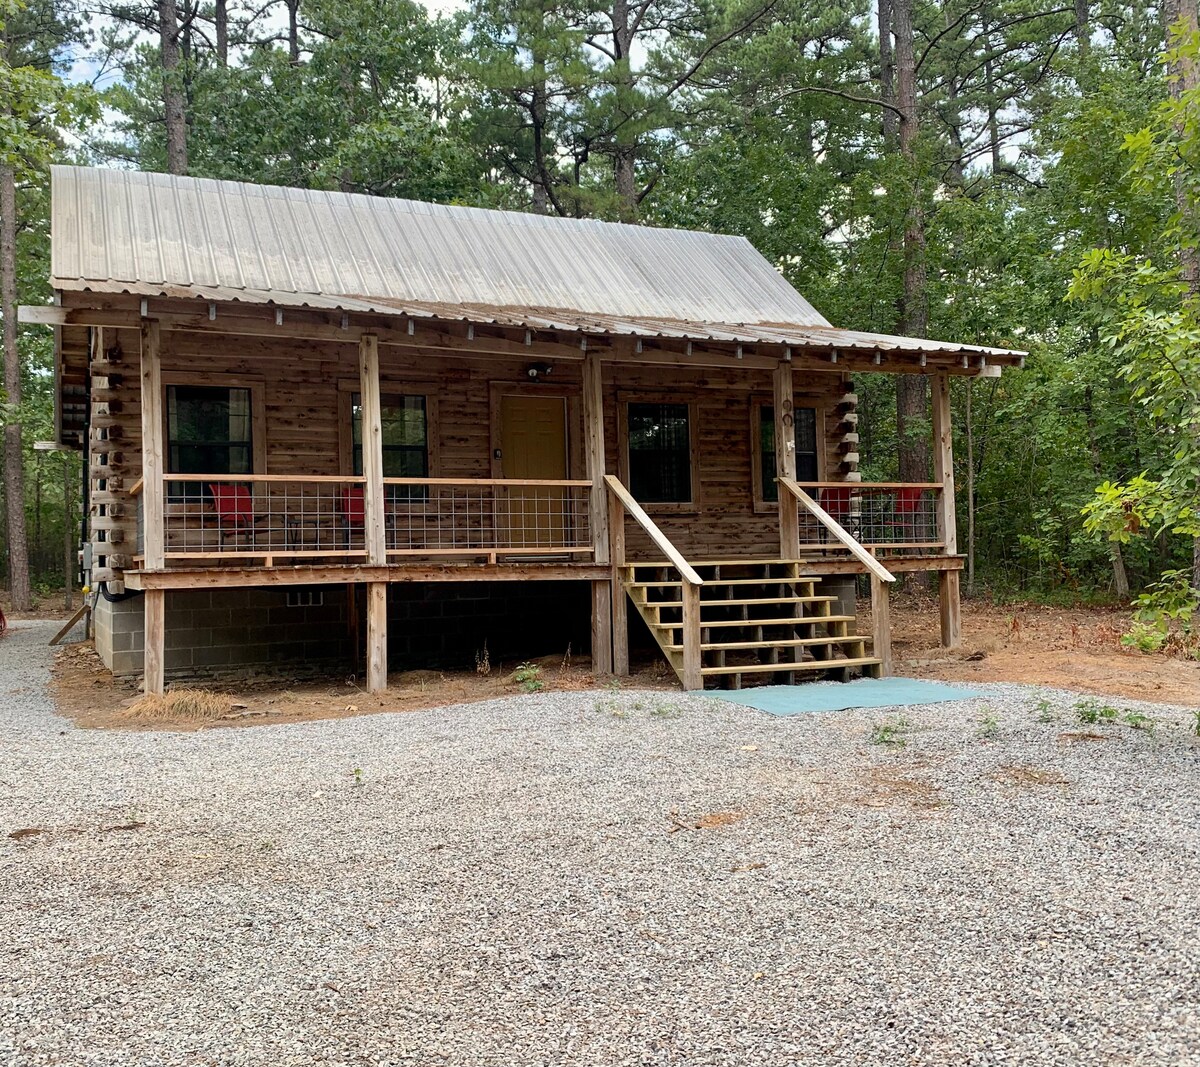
(523, 882)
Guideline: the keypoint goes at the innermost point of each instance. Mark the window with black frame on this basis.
(805, 422)
(404, 424)
(660, 460)
(209, 431)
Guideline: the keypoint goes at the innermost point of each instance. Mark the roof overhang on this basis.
(233, 310)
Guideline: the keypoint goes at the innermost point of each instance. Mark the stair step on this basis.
(716, 583)
(807, 620)
(807, 665)
(767, 643)
(737, 602)
(724, 563)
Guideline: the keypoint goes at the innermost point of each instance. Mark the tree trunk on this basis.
(14, 458)
(913, 431)
(221, 18)
(887, 74)
(293, 10)
(970, 428)
(173, 99)
(538, 108)
(1115, 556)
(1186, 77)
(625, 150)
(1083, 28)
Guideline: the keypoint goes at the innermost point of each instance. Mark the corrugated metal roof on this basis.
(165, 235)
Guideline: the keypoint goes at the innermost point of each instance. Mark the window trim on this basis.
(799, 400)
(682, 507)
(258, 411)
(347, 387)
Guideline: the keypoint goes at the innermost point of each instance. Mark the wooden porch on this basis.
(312, 529)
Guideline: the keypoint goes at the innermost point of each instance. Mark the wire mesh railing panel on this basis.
(891, 517)
(428, 516)
(262, 515)
(248, 516)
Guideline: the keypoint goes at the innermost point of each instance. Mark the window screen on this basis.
(405, 427)
(660, 463)
(208, 432)
(806, 448)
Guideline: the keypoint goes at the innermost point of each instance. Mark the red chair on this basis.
(233, 507)
(837, 503)
(908, 508)
(352, 511)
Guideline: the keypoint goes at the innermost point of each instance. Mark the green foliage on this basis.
(1165, 615)
(892, 734)
(529, 677)
(1092, 712)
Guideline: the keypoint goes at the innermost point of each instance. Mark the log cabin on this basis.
(331, 432)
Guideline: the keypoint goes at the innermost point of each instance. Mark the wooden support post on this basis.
(943, 472)
(881, 624)
(602, 653)
(374, 526)
(153, 540)
(154, 605)
(376, 637)
(950, 606)
(692, 678)
(785, 460)
(593, 444)
(603, 593)
(620, 602)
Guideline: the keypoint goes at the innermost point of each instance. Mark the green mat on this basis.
(837, 696)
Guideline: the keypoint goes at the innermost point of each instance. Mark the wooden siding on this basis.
(299, 388)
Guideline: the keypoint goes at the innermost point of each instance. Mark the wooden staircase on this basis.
(760, 618)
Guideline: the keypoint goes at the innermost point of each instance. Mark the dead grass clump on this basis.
(1028, 776)
(178, 705)
(882, 787)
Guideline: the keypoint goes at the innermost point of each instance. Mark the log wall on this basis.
(301, 425)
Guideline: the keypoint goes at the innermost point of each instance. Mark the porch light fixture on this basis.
(539, 370)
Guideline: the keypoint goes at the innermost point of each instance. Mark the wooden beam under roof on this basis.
(188, 314)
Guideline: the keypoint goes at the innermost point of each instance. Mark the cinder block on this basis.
(211, 656)
(125, 664)
(176, 659)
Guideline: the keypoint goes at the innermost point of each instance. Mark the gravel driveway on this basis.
(600, 878)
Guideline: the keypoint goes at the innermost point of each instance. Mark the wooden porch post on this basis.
(153, 538)
(881, 624)
(374, 526)
(620, 605)
(603, 592)
(785, 460)
(376, 637)
(372, 451)
(693, 678)
(154, 606)
(943, 472)
(153, 547)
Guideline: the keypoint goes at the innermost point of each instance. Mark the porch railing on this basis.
(263, 516)
(474, 516)
(892, 518)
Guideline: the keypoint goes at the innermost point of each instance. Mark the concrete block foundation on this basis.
(321, 629)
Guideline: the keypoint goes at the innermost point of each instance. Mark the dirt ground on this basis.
(1075, 648)
(1071, 648)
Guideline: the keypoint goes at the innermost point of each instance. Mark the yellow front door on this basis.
(533, 447)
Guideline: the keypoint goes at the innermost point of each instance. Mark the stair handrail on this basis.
(660, 539)
(621, 503)
(838, 531)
